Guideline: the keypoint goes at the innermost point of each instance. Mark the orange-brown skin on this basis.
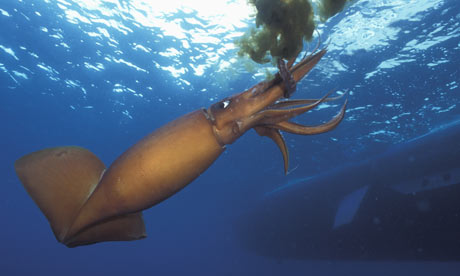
(159, 165)
(153, 169)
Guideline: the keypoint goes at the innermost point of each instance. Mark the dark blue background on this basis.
(192, 233)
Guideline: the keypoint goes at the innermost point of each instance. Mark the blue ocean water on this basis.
(102, 74)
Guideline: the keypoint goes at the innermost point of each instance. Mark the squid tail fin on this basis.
(60, 180)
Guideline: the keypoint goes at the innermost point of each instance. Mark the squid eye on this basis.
(224, 104)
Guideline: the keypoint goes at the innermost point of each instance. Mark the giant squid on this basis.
(86, 203)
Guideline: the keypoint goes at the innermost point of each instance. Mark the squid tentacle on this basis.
(289, 82)
(295, 128)
(273, 116)
(289, 73)
(291, 62)
(318, 43)
(299, 70)
(277, 137)
(289, 103)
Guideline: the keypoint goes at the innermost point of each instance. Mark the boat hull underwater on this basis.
(400, 205)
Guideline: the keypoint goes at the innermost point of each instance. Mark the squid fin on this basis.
(122, 228)
(60, 180)
(276, 136)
